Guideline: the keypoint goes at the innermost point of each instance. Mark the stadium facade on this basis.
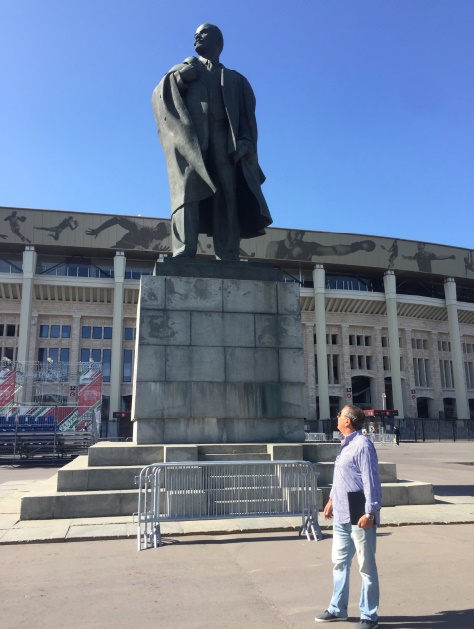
(385, 321)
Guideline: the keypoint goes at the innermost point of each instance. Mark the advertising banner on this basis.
(7, 390)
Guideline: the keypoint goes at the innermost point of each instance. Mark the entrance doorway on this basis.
(361, 393)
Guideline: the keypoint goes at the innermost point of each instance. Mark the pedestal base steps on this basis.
(103, 483)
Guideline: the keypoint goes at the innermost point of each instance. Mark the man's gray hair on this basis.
(356, 415)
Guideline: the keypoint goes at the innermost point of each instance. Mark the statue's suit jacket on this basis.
(183, 129)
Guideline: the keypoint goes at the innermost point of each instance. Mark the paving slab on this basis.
(7, 520)
(104, 531)
(46, 533)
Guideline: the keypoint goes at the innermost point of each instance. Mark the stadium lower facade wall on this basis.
(385, 321)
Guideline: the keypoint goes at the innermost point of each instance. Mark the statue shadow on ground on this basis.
(459, 619)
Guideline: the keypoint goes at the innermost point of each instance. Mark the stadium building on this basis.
(385, 321)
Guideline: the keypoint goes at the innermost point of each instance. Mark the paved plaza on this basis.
(256, 580)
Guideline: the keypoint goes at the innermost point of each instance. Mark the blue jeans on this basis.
(348, 540)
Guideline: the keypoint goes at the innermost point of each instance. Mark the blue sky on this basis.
(365, 107)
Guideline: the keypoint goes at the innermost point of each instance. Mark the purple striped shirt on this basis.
(356, 469)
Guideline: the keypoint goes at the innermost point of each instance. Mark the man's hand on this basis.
(328, 515)
(92, 232)
(365, 523)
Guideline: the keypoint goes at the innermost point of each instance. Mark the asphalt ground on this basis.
(261, 581)
(258, 580)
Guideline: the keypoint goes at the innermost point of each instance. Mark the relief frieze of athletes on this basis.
(84, 230)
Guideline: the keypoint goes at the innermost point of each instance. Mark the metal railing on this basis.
(198, 490)
(315, 436)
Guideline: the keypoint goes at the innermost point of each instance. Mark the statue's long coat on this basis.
(183, 130)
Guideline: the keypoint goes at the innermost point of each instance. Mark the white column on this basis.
(27, 291)
(392, 325)
(462, 408)
(117, 333)
(319, 281)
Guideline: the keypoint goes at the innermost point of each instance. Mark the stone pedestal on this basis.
(219, 355)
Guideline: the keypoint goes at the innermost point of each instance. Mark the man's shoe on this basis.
(328, 617)
(367, 624)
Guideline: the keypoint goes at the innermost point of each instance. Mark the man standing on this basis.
(355, 476)
(207, 127)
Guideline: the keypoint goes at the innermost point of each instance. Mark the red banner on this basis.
(7, 390)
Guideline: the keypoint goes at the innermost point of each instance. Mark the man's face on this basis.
(341, 421)
(206, 40)
(421, 247)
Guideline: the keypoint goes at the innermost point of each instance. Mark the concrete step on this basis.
(232, 448)
(247, 456)
(111, 453)
(320, 452)
(87, 504)
(387, 472)
(77, 476)
(402, 492)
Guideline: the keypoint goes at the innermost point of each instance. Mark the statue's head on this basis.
(208, 40)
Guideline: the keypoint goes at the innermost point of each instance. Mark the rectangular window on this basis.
(1, 329)
(66, 331)
(96, 355)
(359, 339)
(425, 344)
(427, 372)
(360, 362)
(368, 341)
(351, 339)
(42, 353)
(64, 358)
(335, 369)
(9, 352)
(368, 362)
(86, 331)
(54, 331)
(10, 330)
(107, 332)
(401, 364)
(334, 339)
(127, 365)
(54, 354)
(416, 372)
(441, 373)
(129, 334)
(44, 331)
(385, 341)
(353, 361)
(96, 332)
(386, 363)
(106, 355)
(85, 354)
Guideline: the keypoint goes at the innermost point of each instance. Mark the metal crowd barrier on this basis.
(198, 490)
(315, 436)
(380, 437)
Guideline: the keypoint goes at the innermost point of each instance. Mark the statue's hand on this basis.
(92, 232)
(244, 148)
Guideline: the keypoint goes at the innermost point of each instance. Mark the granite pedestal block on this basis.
(219, 355)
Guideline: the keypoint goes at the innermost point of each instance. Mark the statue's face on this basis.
(206, 40)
